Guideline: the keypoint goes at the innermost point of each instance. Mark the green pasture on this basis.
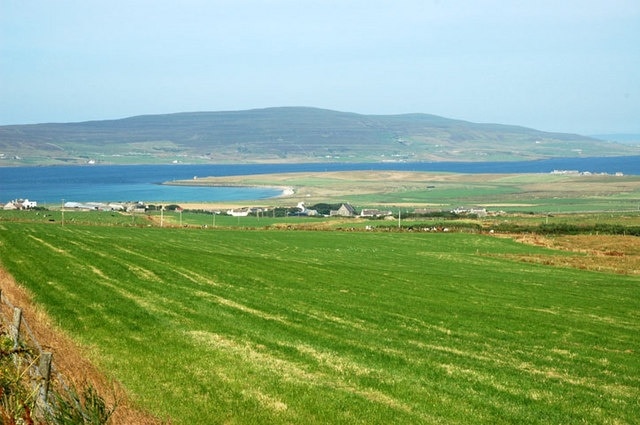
(206, 326)
(510, 197)
(630, 220)
(447, 196)
(59, 217)
(540, 193)
(206, 220)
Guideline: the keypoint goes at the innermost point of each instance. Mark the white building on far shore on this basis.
(20, 204)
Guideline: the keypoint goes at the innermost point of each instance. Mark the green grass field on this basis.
(206, 326)
(539, 193)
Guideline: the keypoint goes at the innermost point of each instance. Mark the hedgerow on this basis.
(569, 229)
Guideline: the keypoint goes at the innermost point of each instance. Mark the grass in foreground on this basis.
(223, 326)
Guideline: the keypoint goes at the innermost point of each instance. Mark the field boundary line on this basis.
(38, 362)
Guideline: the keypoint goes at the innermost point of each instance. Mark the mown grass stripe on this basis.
(331, 327)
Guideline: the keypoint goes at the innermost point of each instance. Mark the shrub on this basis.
(18, 399)
(71, 408)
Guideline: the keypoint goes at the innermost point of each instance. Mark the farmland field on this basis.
(540, 193)
(205, 326)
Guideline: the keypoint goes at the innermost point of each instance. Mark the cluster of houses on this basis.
(585, 173)
(112, 206)
(20, 204)
(345, 210)
(25, 204)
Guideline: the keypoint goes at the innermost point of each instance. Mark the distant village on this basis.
(301, 210)
(347, 210)
(585, 173)
(26, 204)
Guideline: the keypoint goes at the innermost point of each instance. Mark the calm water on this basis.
(49, 185)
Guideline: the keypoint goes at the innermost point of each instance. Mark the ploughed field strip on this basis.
(265, 326)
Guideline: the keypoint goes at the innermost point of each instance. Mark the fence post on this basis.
(15, 327)
(45, 372)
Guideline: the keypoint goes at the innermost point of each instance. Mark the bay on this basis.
(113, 183)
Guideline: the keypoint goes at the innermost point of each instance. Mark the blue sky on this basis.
(561, 65)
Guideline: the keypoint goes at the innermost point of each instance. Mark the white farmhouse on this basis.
(20, 204)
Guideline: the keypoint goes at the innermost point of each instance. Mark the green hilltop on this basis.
(287, 134)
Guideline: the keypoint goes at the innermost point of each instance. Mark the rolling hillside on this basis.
(287, 134)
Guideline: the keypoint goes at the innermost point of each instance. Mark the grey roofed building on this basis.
(345, 210)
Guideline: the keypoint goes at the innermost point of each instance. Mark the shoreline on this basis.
(206, 182)
(285, 191)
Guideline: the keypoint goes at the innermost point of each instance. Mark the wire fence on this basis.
(28, 355)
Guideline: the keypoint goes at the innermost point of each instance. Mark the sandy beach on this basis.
(226, 205)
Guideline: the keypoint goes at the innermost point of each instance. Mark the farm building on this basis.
(241, 212)
(99, 206)
(246, 211)
(480, 212)
(345, 210)
(303, 210)
(20, 204)
(374, 213)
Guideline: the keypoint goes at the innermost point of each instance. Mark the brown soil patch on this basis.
(68, 357)
(610, 253)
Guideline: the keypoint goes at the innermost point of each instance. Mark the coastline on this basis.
(286, 191)
(53, 185)
(207, 182)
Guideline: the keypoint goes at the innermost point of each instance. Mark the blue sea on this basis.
(121, 183)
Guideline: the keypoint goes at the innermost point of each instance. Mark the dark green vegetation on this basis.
(226, 326)
(287, 135)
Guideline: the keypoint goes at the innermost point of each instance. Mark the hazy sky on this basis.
(557, 65)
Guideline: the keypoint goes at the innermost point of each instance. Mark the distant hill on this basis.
(619, 137)
(287, 134)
